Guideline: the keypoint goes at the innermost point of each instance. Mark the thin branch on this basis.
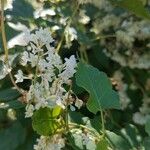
(68, 25)
(5, 46)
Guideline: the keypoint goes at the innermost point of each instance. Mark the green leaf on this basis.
(22, 9)
(8, 94)
(75, 142)
(135, 6)
(45, 122)
(146, 143)
(15, 104)
(119, 142)
(130, 133)
(147, 127)
(99, 87)
(102, 145)
(56, 111)
(12, 137)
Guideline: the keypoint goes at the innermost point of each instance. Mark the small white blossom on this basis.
(56, 142)
(41, 103)
(84, 1)
(44, 36)
(29, 110)
(33, 59)
(86, 138)
(84, 19)
(19, 76)
(72, 108)
(72, 33)
(5, 69)
(25, 58)
(140, 118)
(69, 68)
(78, 103)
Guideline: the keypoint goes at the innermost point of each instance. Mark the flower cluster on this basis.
(122, 88)
(143, 115)
(49, 73)
(55, 142)
(84, 138)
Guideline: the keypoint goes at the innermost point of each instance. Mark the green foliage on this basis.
(147, 143)
(147, 127)
(22, 9)
(98, 43)
(45, 122)
(8, 94)
(12, 137)
(130, 133)
(118, 141)
(15, 104)
(99, 87)
(135, 6)
(102, 145)
(76, 143)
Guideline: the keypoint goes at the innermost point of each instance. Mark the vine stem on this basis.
(103, 124)
(104, 37)
(5, 47)
(66, 114)
(68, 24)
(3, 31)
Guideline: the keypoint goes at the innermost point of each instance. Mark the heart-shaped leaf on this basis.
(99, 87)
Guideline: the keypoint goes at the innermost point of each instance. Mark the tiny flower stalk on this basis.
(103, 123)
(66, 111)
(66, 28)
(3, 31)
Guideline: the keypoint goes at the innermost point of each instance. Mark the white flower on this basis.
(42, 64)
(40, 103)
(49, 74)
(124, 38)
(69, 68)
(44, 36)
(72, 33)
(5, 69)
(88, 140)
(60, 103)
(35, 49)
(19, 76)
(72, 108)
(78, 103)
(139, 118)
(33, 59)
(56, 142)
(63, 20)
(84, 19)
(29, 110)
(84, 1)
(25, 58)
(44, 12)
(30, 94)
(51, 100)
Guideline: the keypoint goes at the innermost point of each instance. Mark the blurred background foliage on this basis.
(113, 36)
